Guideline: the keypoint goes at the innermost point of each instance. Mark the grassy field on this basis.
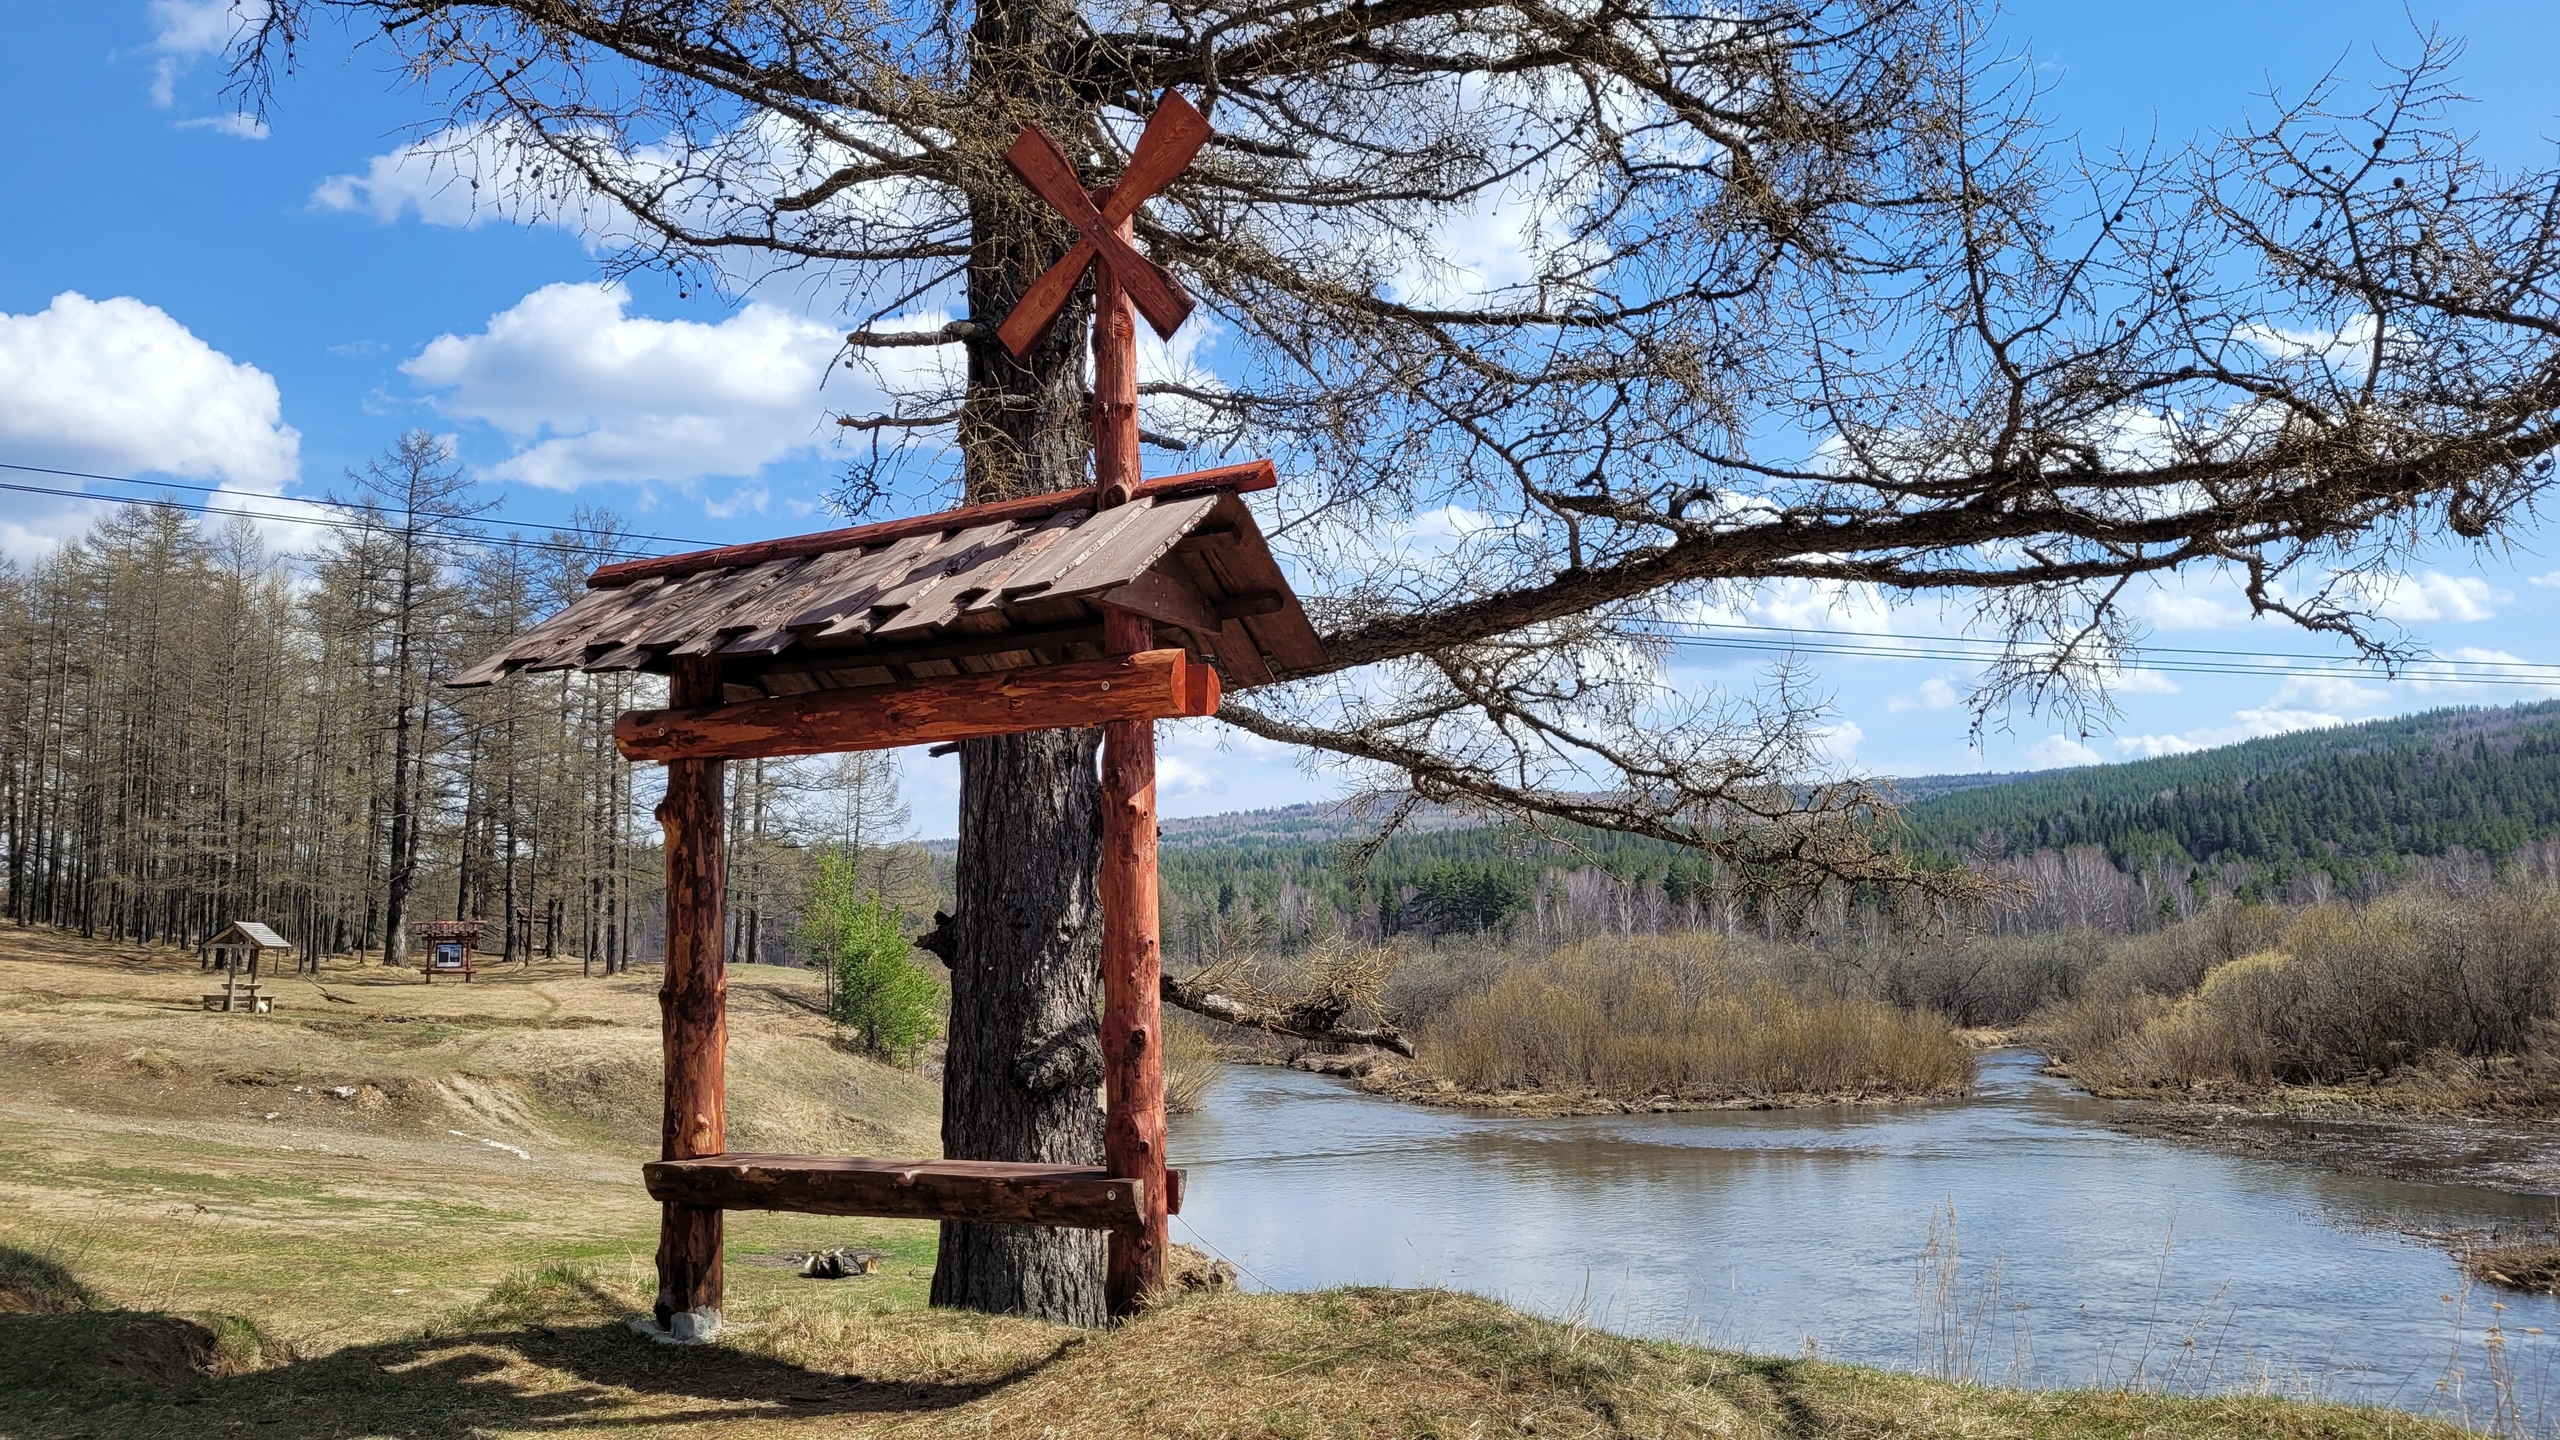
(394, 1209)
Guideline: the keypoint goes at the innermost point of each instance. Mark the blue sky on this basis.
(186, 296)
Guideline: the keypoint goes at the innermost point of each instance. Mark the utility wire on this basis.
(1687, 634)
(2504, 673)
(366, 520)
(1722, 625)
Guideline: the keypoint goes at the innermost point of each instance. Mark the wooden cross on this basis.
(1123, 279)
(1133, 1130)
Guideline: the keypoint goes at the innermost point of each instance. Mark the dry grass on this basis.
(2415, 1004)
(1191, 1065)
(2518, 1264)
(1687, 1018)
(547, 1353)
(174, 1263)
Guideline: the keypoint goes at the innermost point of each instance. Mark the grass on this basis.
(174, 1263)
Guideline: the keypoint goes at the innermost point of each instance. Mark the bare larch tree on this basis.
(1564, 321)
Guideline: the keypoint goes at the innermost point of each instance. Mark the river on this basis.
(2084, 1256)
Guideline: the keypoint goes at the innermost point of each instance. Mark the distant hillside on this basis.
(2340, 799)
(2482, 780)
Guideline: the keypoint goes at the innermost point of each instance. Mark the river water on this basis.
(2083, 1256)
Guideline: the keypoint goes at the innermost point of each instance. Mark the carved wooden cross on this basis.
(1123, 279)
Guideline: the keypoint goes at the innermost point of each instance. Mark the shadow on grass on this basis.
(111, 1374)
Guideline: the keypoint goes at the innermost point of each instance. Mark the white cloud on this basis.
(2548, 578)
(2186, 609)
(185, 31)
(1816, 605)
(1934, 693)
(2142, 682)
(118, 386)
(2436, 596)
(2328, 692)
(589, 392)
(455, 178)
(1836, 746)
(2483, 669)
(2252, 724)
(239, 125)
(2055, 751)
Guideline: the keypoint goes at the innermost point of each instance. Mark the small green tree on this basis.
(889, 1004)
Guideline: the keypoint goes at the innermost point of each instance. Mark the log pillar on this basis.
(692, 1003)
(1132, 1009)
(1132, 955)
(1115, 390)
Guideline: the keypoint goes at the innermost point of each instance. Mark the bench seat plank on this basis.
(992, 1192)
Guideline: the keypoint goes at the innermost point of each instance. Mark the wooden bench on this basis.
(987, 1191)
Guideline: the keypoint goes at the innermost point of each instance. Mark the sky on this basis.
(188, 296)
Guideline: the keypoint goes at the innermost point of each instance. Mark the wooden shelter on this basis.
(447, 947)
(239, 951)
(1116, 606)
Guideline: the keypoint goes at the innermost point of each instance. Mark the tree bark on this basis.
(1022, 1068)
(1019, 1077)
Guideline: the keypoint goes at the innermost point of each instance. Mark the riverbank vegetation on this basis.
(1688, 1018)
(2432, 999)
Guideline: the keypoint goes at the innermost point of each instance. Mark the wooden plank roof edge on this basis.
(1240, 479)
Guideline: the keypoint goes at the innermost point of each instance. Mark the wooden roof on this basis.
(986, 587)
(249, 932)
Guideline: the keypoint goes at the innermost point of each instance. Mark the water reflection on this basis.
(2117, 1258)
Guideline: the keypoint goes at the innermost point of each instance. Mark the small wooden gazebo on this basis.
(448, 947)
(996, 619)
(1116, 606)
(238, 950)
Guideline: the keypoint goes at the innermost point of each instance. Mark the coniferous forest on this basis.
(2352, 810)
(196, 728)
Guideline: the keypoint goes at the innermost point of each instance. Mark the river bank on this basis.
(1391, 1078)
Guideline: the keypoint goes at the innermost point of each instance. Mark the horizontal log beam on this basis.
(989, 1192)
(1153, 685)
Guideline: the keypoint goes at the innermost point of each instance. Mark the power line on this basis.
(1718, 635)
(2521, 674)
(449, 527)
(1978, 640)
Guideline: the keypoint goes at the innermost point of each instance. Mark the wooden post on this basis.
(1115, 392)
(692, 1004)
(1132, 1008)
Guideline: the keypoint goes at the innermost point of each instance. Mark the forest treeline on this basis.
(2354, 811)
(196, 728)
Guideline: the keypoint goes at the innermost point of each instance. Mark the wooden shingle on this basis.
(983, 588)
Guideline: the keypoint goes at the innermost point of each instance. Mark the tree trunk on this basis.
(1019, 1079)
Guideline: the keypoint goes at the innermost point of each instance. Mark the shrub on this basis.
(884, 1001)
(1191, 1065)
(1686, 1016)
(2342, 994)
